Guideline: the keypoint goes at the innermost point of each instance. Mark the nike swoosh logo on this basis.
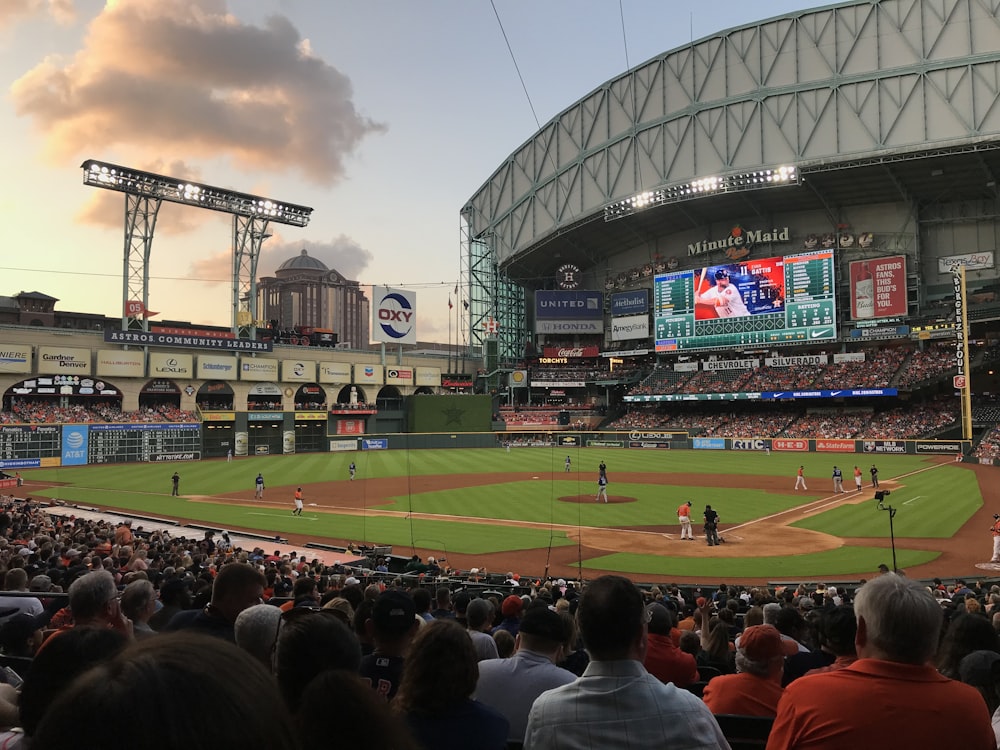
(820, 332)
(834, 393)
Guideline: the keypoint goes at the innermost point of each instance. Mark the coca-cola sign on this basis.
(575, 352)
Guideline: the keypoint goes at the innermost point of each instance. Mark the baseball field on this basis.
(519, 510)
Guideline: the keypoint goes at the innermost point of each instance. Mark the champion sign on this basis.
(394, 315)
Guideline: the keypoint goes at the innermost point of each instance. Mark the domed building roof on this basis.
(303, 262)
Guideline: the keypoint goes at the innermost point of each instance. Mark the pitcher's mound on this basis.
(590, 499)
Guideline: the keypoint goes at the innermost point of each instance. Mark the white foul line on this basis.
(912, 499)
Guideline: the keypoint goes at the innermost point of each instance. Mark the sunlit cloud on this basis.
(188, 78)
(13, 11)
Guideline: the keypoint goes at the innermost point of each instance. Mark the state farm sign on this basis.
(575, 352)
(835, 446)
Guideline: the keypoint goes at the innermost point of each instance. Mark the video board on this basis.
(763, 301)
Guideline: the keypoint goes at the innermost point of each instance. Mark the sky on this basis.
(384, 116)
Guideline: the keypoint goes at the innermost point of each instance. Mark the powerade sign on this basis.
(568, 305)
(75, 443)
(394, 315)
(374, 444)
(630, 303)
(939, 447)
(709, 444)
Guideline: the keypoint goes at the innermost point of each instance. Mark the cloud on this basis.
(340, 254)
(12, 11)
(187, 77)
(105, 208)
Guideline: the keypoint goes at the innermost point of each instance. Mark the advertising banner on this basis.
(343, 445)
(786, 444)
(729, 364)
(835, 446)
(940, 447)
(398, 376)
(350, 427)
(63, 361)
(394, 315)
(630, 327)
(216, 368)
(171, 365)
(648, 444)
(15, 358)
(518, 379)
(335, 372)
(258, 369)
(971, 261)
(368, 374)
(685, 367)
(709, 444)
(568, 305)
(298, 371)
(878, 287)
(430, 376)
(375, 444)
(75, 444)
(630, 303)
(570, 352)
(848, 357)
(884, 446)
(750, 444)
(114, 363)
(811, 359)
(186, 340)
(569, 326)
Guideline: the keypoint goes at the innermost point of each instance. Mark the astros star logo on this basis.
(453, 416)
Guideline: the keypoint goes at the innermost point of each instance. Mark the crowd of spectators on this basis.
(932, 363)
(52, 411)
(989, 446)
(266, 643)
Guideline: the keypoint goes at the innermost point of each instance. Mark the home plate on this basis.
(534, 477)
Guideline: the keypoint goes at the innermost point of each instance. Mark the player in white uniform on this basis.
(725, 298)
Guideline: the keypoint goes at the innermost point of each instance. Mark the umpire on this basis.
(711, 526)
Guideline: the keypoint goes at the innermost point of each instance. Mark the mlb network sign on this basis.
(394, 315)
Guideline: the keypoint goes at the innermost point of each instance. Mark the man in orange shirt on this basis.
(857, 478)
(756, 688)
(892, 697)
(995, 530)
(800, 479)
(298, 502)
(684, 516)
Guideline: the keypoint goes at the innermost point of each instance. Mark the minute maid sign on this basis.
(738, 242)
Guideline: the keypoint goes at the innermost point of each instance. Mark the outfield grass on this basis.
(932, 502)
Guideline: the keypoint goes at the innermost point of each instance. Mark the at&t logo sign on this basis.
(395, 315)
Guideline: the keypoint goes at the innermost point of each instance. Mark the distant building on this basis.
(38, 309)
(304, 292)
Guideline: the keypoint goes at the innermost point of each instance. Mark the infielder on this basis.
(602, 488)
(857, 478)
(838, 480)
(684, 516)
(800, 479)
(258, 493)
(995, 529)
(298, 502)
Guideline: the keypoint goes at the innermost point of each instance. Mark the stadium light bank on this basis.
(701, 187)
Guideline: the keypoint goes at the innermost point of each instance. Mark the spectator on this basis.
(511, 609)
(505, 644)
(93, 601)
(392, 626)
(622, 702)
(236, 587)
(891, 697)
(965, 633)
(138, 602)
(837, 631)
(756, 688)
(434, 697)
(511, 685)
(310, 642)
(981, 670)
(479, 615)
(255, 631)
(664, 660)
(16, 579)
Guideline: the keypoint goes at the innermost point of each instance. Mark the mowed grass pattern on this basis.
(932, 503)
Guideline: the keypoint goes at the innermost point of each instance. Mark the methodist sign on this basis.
(394, 315)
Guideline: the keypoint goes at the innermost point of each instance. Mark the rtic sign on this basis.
(740, 444)
(394, 315)
(784, 444)
(884, 446)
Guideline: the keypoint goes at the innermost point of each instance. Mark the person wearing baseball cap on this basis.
(392, 626)
(995, 530)
(756, 688)
(724, 297)
(511, 685)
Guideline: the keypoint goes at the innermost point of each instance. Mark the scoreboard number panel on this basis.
(780, 300)
(124, 443)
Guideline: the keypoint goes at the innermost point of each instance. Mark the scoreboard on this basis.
(28, 446)
(763, 301)
(124, 443)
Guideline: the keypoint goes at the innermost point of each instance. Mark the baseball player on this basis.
(602, 469)
(352, 469)
(725, 298)
(684, 516)
(568, 462)
(602, 488)
(995, 530)
(800, 479)
(857, 478)
(258, 493)
(838, 480)
(298, 502)
(711, 527)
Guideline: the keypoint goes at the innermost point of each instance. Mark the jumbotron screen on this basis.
(753, 302)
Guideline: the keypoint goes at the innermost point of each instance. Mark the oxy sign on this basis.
(394, 315)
